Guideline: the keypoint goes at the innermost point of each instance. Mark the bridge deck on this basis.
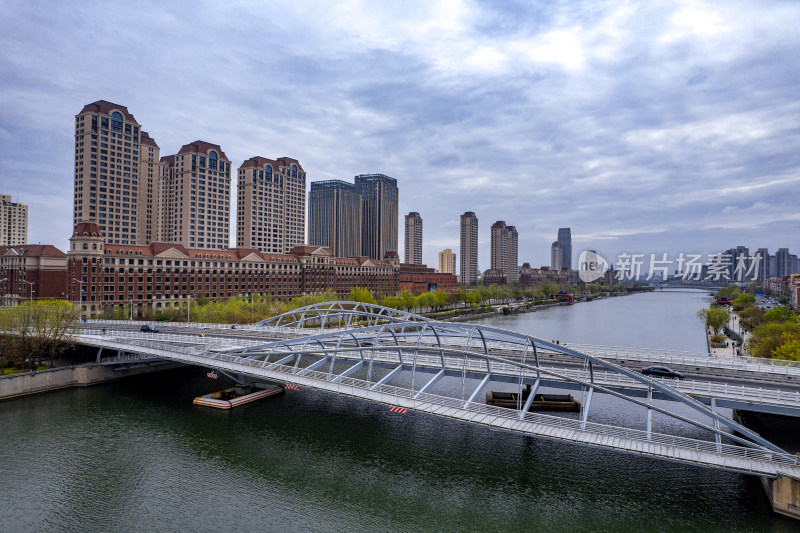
(670, 447)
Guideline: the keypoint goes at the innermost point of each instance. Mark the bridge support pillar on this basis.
(784, 495)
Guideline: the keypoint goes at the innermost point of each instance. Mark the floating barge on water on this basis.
(236, 396)
(541, 402)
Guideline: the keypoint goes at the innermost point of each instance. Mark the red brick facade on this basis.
(42, 265)
(164, 274)
(419, 278)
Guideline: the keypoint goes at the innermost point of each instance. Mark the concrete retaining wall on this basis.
(17, 385)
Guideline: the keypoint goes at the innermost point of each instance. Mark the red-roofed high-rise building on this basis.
(194, 188)
(114, 159)
(271, 206)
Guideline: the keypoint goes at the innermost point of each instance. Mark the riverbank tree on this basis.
(36, 331)
(714, 317)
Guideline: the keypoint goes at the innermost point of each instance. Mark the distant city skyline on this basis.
(644, 127)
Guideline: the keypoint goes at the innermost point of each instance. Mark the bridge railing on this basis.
(94, 323)
(545, 425)
(418, 400)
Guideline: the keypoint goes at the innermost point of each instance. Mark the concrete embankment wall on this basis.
(17, 385)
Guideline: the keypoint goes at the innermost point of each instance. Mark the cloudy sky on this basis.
(644, 126)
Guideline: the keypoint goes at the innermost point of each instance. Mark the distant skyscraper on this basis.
(469, 248)
(195, 188)
(565, 238)
(413, 239)
(271, 206)
(504, 250)
(114, 173)
(379, 219)
(13, 222)
(447, 262)
(556, 256)
(763, 264)
(782, 266)
(335, 217)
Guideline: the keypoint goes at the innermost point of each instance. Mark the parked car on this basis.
(661, 372)
(147, 328)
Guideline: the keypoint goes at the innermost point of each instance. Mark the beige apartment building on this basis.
(469, 248)
(505, 250)
(194, 188)
(149, 158)
(271, 206)
(109, 174)
(413, 249)
(13, 222)
(447, 262)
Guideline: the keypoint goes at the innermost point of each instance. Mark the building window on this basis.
(212, 160)
(116, 121)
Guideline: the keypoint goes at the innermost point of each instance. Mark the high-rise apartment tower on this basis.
(379, 219)
(413, 239)
(13, 222)
(565, 238)
(556, 256)
(447, 262)
(335, 217)
(195, 189)
(504, 250)
(469, 248)
(271, 206)
(111, 172)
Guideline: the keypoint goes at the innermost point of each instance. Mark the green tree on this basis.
(360, 294)
(771, 335)
(789, 350)
(730, 292)
(743, 301)
(780, 315)
(36, 330)
(714, 317)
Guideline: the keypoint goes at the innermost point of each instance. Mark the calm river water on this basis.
(138, 456)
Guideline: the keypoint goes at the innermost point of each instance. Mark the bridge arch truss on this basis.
(340, 314)
(428, 351)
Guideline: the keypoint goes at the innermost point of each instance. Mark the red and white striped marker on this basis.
(395, 409)
(291, 386)
(212, 375)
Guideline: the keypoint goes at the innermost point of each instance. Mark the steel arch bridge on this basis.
(339, 314)
(429, 348)
(442, 369)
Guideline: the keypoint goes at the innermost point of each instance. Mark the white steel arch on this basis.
(341, 313)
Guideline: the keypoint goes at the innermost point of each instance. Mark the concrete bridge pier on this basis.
(784, 495)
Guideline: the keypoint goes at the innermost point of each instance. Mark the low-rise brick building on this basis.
(419, 278)
(31, 271)
(165, 274)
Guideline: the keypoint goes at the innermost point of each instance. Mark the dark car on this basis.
(147, 328)
(661, 372)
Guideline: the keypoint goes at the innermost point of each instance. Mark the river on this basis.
(138, 456)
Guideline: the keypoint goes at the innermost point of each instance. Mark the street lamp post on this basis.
(80, 295)
(31, 283)
(130, 297)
